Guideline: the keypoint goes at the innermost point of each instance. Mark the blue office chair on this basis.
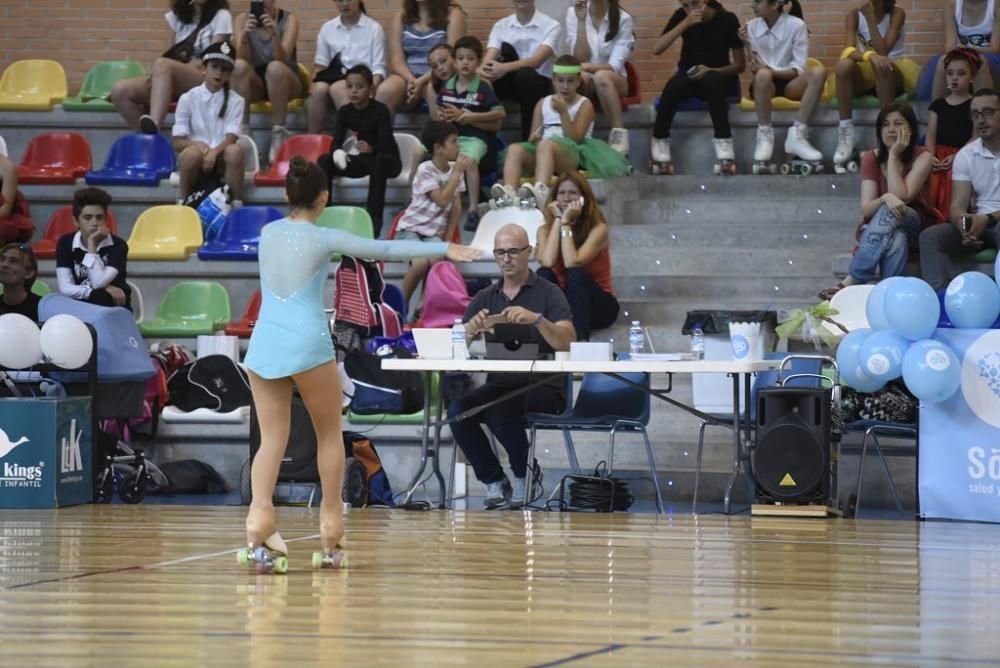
(606, 404)
(803, 372)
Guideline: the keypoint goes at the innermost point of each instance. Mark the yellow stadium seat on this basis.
(32, 85)
(784, 104)
(169, 232)
(264, 107)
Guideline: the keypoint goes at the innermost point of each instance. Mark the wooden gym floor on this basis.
(160, 586)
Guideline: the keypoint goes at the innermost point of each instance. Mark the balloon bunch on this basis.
(63, 340)
(903, 314)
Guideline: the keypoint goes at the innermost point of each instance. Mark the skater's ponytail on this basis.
(906, 111)
(614, 20)
(304, 183)
(795, 9)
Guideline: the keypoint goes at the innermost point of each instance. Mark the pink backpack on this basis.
(445, 296)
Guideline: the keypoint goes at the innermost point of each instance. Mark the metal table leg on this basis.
(425, 448)
(737, 456)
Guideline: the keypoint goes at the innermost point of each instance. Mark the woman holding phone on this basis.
(574, 254)
(266, 66)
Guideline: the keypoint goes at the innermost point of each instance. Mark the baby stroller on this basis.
(123, 367)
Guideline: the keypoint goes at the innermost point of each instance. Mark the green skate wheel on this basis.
(281, 564)
(243, 557)
(317, 560)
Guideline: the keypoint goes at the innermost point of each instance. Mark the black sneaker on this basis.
(498, 494)
(471, 221)
(147, 125)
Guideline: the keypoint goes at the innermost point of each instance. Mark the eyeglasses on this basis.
(986, 113)
(512, 253)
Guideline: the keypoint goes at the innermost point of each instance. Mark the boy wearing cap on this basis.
(207, 126)
(18, 269)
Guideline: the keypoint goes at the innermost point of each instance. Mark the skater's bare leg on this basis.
(273, 402)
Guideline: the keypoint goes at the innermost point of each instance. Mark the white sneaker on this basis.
(845, 145)
(660, 150)
(147, 125)
(279, 134)
(765, 143)
(540, 194)
(618, 140)
(501, 195)
(797, 144)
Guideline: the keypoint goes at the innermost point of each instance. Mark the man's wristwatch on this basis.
(538, 320)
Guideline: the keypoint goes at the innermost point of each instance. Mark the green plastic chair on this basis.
(869, 101)
(98, 82)
(394, 419)
(351, 219)
(189, 309)
(40, 288)
(984, 256)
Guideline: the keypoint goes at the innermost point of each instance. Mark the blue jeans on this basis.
(885, 244)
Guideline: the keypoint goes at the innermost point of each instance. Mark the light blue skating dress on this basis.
(292, 333)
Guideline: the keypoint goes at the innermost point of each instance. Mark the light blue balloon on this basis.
(875, 306)
(972, 301)
(996, 269)
(911, 308)
(849, 362)
(882, 355)
(931, 371)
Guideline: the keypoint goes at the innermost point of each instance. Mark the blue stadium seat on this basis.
(240, 234)
(135, 160)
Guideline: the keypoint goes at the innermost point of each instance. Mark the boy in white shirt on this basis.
(207, 126)
(436, 206)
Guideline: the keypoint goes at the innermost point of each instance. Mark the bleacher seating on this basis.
(60, 224)
(32, 85)
(781, 103)
(167, 232)
(135, 160)
(351, 219)
(98, 82)
(244, 326)
(308, 146)
(239, 236)
(190, 308)
(264, 107)
(634, 94)
(55, 157)
(40, 288)
(411, 154)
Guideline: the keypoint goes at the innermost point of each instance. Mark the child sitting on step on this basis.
(949, 122)
(560, 141)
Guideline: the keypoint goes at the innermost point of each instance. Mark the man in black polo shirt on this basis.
(524, 299)
(18, 269)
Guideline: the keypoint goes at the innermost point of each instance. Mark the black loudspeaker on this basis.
(791, 460)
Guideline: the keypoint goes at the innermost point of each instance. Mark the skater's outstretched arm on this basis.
(338, 241)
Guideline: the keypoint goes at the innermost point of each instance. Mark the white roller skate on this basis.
(269, 557)
(801, 157)
(618, 140)
(763, 150)
(659, 162)
(501, 196)
(725, 157)
(533, 196)
(845, 159)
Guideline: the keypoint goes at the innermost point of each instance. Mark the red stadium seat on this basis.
(55, 157)
(244, 326)
(309, 147)
(62, 223)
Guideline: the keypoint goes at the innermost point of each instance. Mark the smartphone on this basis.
(257, 8)
(966, 224)
(691, 70)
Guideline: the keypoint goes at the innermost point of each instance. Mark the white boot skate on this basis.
(725, 158)
(801, 157)
(618, 140)
(659, 162)
(845, 159)
(533, 196)
(501, 196)
(763, 151)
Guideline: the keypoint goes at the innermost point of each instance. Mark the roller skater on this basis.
(725, 159)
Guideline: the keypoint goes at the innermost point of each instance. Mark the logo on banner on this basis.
(981, 377)
(71, 461)
(741, 347)
(7, 445)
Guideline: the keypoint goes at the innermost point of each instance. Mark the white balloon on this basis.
(19, 345)
(66, 341)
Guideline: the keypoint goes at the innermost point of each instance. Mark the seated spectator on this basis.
(518, 60)
(574, 253)
(414, 31)
(973, 177)
(436, 205)
(949, 122)
(15, 221)
(18, 270)
(207, 127)
(351, 39)
(441, 61)
(144, 101)
(601, 36)
(522, 298)
(372, 150)
(560, 141)
(895, 200)
(90, 263)
(470, 103)
(266, 66)
(973, 25)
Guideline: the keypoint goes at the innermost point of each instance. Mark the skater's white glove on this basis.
(340, 158)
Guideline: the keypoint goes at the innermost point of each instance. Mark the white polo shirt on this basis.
(975, 164)
(783, 46)
(602, 52)
(527, 38)
(360, 44)
(197, 116)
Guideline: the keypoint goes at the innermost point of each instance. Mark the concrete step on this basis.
(807, 212)
(751, 289)
(719, 234)
(744, 186)
(780, 260)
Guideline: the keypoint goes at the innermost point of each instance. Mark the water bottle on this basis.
(636, 338)
(698, 342)
(459, 348)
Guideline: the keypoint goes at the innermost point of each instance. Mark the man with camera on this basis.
(975, 178)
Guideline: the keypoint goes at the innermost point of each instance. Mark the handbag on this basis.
(332, 73)
(183, 51)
